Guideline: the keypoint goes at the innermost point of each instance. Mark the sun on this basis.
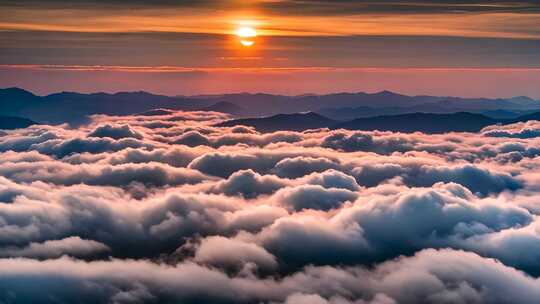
(246, 32)
(247, 43)
(246, 35)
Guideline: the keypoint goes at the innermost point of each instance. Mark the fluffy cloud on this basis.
(301, 166)
(223, 165)
(155, 174)
(431, 276)
(482, 181)
(72, 246)
(249, 184)
(313, 197)
(223, 251)
(166, 207)
(363, 141)
(115, 132)
(530, 129)
(333, 179)
(446, 216)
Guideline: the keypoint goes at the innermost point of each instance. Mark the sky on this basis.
(464, 48)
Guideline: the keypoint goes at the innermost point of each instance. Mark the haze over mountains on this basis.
(60, 107)
(346, 106)
(74, 107)
(358, 111)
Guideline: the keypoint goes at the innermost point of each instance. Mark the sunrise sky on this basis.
(466, 48)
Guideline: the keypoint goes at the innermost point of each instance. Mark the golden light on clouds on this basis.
(226, 22)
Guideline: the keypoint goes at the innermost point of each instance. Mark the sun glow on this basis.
(246, 35)
(247, 42)
(246, 32)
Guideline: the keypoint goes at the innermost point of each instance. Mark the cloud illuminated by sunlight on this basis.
(498, 24)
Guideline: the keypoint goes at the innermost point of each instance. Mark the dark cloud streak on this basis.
(315, 7)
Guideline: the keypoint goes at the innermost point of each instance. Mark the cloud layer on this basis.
(167, 208)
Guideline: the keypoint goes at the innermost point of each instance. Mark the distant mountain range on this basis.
(431, 123)
(11, 122)
(347, 106)
(352, 113)
(422, 122)
(289, 122)
(75, 107)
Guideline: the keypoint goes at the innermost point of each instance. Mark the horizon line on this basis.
(200, 96)
(184, 69)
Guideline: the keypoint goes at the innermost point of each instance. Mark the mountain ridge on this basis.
(13, 122)
(430, 123)
(75, 107)
(285, 122)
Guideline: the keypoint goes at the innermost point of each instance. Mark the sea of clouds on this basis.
(166, 208)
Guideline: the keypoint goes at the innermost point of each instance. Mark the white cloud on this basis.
(169, 208)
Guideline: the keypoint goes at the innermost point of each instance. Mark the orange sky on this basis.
(293, 34)
(204, 20)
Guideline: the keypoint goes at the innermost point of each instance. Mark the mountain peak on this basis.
(521, 98)
(14, 91)
(387, 93)
(284, 122)
(12, 122)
